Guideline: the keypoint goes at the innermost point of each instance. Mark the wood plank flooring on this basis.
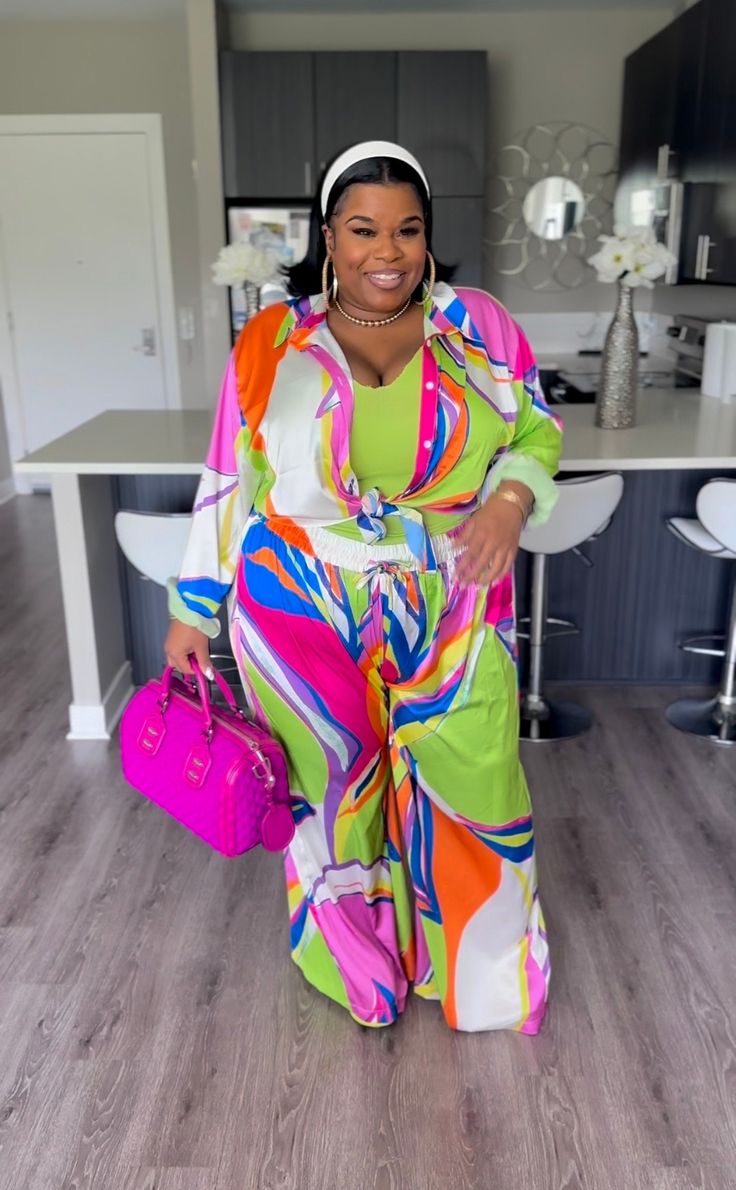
(154, 1034)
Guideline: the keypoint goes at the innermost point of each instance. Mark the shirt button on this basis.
(429, 384)
(428, 444)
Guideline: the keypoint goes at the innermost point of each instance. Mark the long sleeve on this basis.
(533, 455)
(222, 505)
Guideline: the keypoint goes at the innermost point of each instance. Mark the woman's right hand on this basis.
(181, 641)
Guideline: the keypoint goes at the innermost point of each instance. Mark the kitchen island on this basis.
(645, 590)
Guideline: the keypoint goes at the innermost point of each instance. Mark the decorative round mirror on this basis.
(553, 207)
(551, 196)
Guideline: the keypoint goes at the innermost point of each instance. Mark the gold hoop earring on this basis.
(432, 273)
(325, 279)
(330, 295)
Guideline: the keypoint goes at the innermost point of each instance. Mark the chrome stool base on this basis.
(552, 721)
(703, 717)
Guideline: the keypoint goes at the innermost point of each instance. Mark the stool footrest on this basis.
(699, 644)
(562, 627)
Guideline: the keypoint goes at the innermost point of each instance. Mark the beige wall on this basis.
(565, 65)
(136, 66)
(205, 96)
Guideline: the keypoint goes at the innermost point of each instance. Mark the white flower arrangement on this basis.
(633, 256)
(240, 263)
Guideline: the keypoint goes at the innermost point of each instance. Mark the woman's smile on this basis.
(386, 279)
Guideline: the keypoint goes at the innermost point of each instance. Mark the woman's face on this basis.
(378, 247)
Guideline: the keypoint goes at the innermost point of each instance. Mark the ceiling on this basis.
(445, 6)
(87, 10)
(90, 10)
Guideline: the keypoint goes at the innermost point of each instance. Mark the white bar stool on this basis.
(714, 533)
(584, 509)
(154, 543)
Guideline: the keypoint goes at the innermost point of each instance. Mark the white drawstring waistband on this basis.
(359, 555)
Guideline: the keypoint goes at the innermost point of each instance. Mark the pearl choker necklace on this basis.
(372, 321)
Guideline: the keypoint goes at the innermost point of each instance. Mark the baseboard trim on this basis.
(97, 721)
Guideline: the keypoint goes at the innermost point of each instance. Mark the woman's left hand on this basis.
(490, 541)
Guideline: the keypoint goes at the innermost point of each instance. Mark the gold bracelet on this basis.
(514, 498)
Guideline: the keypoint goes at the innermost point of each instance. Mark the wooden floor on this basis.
(154, 1033)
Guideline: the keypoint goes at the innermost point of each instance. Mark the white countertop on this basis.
(676, 428)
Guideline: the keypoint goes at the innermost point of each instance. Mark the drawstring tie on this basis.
(376, 569)
(373, 508)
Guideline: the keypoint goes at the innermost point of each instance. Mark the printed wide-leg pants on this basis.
(394, 693)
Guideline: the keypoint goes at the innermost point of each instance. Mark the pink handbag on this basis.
(216, 773)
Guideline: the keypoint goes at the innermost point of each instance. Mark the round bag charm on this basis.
(277, 827)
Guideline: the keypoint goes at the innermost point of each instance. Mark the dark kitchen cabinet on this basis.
(284, 115)
(708, 252)
(342, 114)
(267, 115)
(679, 122)
(662, 91)
(714, 150)
(691, 33)
(442, 111)
(457, 237)
(647, 119)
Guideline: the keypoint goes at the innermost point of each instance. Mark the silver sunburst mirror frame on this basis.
(551, 196)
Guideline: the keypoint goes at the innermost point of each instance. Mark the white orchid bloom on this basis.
(614, 259)
(238, 263)
(632, 255)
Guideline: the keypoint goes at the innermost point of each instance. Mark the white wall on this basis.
(132, 66)
(565, 65)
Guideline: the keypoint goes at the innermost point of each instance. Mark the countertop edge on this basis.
(101, 468)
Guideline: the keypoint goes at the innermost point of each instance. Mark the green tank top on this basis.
(383, 446)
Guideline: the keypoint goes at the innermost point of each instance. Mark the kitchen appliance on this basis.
(688, 348)
(719, 361)
(576, 382)
(283, 230)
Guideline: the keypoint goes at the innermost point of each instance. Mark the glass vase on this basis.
(619, 380)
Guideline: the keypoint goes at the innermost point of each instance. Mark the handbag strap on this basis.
(204, 697)
(221, 684)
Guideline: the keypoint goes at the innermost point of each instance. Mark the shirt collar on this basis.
(444, 314)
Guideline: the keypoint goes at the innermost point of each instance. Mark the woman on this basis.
(379, 443)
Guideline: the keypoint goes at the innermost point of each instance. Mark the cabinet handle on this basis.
(699, 257)
(663, 163)
(708, 243)
(307, 177)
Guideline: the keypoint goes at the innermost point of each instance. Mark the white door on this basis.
(77, 252)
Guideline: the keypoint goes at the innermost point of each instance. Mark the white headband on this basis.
(363, 152)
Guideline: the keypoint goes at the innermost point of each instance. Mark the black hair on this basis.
(305, 277)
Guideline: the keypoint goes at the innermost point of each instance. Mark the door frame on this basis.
(151, 126)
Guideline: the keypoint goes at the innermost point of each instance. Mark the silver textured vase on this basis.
(616, 400)
(252, 294)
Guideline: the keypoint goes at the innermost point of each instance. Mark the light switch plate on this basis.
(186, 323)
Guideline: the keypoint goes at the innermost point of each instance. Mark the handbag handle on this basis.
(204, 697)
(221, 684)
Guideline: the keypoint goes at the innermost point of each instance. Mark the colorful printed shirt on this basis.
(281, 437)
